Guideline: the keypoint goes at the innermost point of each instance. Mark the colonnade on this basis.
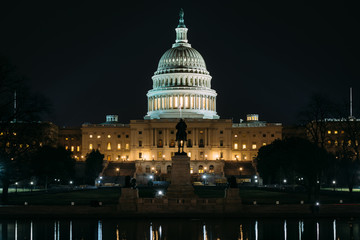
(168, 82)
(186, 101)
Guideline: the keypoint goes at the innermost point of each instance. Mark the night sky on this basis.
(93, 58)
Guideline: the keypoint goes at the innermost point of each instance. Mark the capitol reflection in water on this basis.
(156, 229)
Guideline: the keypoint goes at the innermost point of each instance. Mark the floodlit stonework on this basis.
(181, 89)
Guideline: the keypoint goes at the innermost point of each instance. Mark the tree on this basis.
(52, 163)
(314, 117)
(294, 158)
(20, 134)
(93, 165)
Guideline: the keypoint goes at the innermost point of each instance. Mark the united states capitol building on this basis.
(181, 89)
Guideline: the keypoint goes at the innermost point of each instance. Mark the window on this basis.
(109, 136)
(264, 144)
(66, 147)
(127, 136)
(172, 143)
(272, 135)
(109, 158)
(264, 135)
(236, 146)
(78, 148)
(158, 169)
(211, 169)
(118, 146)
(201, 131)
(201, 143)
(140, 143)
(140, 154)
(72, 148)
(221, 143)
(172, 132)
(191, 170)
(91, 136)
(253, 146)
(201, 169)
(160, 143)
(66, 139)
(99, 146)
(127, 146)
(90, 146)
(235, 135)
(98, 136)
(147, 169)
(244, 146)
(329, 132)
(140, 132)
(189, 143)
(168, 169)
(160, 132)
(108, 146)
(335, 132)
(221, 155)
(189, 154)
(189, 132)
(119, 136)
(221, 131)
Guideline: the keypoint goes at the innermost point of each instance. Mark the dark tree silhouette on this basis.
(50, 163)
(294, 158)
(314, 117)
(20, 132)
(93, 165)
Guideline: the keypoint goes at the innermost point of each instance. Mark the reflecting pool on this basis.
(210, 229)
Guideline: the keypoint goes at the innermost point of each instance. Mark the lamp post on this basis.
(31, 186)
(334, 184)
(16, 186)
(117, 171)
(240, 170)
(204, 177)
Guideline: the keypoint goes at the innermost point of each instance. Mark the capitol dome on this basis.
(181, 58)
(181, 83)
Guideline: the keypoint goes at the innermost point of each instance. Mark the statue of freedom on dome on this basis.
(181, 136)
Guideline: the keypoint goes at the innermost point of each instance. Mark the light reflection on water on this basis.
(161, 229)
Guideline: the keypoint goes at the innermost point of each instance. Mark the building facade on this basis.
(181, 89)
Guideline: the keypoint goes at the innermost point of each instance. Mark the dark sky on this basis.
(93, 58)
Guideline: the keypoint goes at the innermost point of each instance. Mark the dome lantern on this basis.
(181, 32)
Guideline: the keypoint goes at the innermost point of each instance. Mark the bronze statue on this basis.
(181, 135)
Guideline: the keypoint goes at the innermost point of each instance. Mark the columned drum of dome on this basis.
(181, 83)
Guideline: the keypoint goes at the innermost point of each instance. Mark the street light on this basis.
(204, 177)
(334, 184)
(117, 171)
(31, 184)
(240, 169)
(285, 181)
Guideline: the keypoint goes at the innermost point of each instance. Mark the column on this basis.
(206, 140)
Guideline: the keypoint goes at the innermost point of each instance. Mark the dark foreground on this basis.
(85, 205)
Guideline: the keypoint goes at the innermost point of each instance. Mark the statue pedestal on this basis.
(180, 186)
